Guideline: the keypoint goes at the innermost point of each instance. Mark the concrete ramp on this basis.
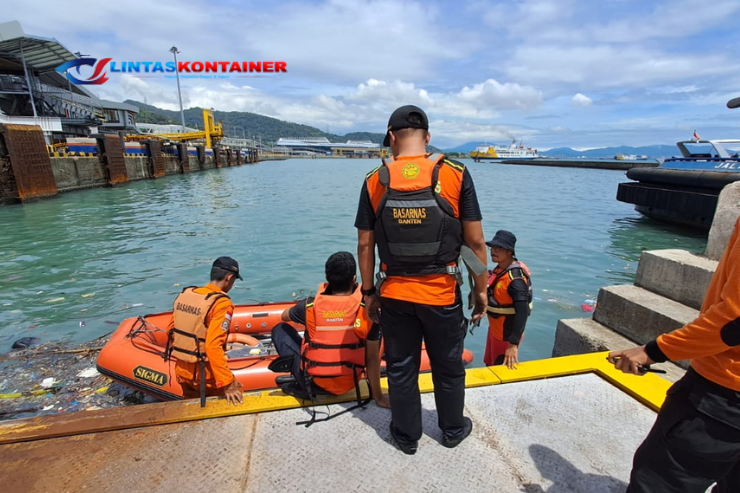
(574, 433)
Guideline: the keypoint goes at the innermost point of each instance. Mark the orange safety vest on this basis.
(187, 338)
(416, 202)
(500, 303)
(333, 350)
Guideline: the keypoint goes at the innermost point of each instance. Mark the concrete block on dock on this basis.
(728, 208)
(676, 274)
(639, 314)
(584, 335)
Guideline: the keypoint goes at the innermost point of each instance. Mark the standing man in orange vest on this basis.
(339, 337)
(198, 331)
(695, 440)
(509, 302)
(420, 210)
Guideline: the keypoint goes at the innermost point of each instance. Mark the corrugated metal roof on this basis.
(41, 54)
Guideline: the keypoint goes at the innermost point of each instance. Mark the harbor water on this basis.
(73, 267)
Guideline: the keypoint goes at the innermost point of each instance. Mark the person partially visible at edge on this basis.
(337, 304)
(509, 302)
(419, 210)
(205, 313)
(695, 440)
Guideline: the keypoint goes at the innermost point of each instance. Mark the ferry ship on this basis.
(513, 151)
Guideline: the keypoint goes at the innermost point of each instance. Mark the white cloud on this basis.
(603, 66)
(502, 96)
(581, 100)
(671, 19)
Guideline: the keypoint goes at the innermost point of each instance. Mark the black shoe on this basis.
(454, 442)
(406, 446)
(292, 388)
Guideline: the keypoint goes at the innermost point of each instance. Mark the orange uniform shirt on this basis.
(218, 321)
(712, 341)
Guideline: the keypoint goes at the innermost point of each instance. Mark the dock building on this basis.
(32, 92)
(320, 146)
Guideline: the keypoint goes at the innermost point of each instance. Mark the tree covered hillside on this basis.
(243, 124)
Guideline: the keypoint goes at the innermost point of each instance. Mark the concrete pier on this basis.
(584, 163)
(29, 171)
(532, 432)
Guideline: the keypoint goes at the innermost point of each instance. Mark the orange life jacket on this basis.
(416, 203)
(188, 337)
(499, 300)
(333, 352)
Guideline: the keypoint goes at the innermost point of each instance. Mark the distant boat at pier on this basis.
(513, 151)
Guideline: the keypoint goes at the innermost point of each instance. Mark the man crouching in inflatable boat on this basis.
(198, 332)
(340, 340)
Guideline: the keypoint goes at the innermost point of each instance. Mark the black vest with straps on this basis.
(416, 231)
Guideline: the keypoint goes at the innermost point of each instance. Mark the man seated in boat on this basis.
(339, 337)
(198, 330)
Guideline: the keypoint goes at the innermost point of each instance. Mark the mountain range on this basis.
(252, 125)
(244, 124)
(654, 151)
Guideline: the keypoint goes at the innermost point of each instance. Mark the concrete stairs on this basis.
(668, 292)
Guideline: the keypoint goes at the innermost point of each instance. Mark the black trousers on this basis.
(288, 342)
(442, 328)
(694, 442)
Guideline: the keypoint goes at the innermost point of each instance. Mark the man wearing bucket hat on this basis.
(198, 330)
(509, 301)
(420, 211)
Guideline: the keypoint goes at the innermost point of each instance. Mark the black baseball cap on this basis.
(409, 116)
(504, 239)
(228, 264)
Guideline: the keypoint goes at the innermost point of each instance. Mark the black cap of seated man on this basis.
(228, 264)
(409, 116)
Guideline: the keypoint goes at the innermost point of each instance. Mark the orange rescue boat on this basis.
(134, 355)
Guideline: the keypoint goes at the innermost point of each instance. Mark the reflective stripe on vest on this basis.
(507, 309)
(417, 228)
(331, 347)
(188, 337)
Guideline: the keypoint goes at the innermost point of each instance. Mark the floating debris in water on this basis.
(75, 388)
(587, 308)
(55, 300)
(47, 383)
(137, 304)
(32, 326)
(26, 342)
(82, 323)
(88, 373)
(39, 292)
(177, 285)
(88, 295)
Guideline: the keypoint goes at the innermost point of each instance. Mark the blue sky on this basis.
(552, 73)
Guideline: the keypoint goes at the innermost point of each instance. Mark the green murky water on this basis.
(74, 266)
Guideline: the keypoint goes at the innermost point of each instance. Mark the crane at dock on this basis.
(212, 133)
